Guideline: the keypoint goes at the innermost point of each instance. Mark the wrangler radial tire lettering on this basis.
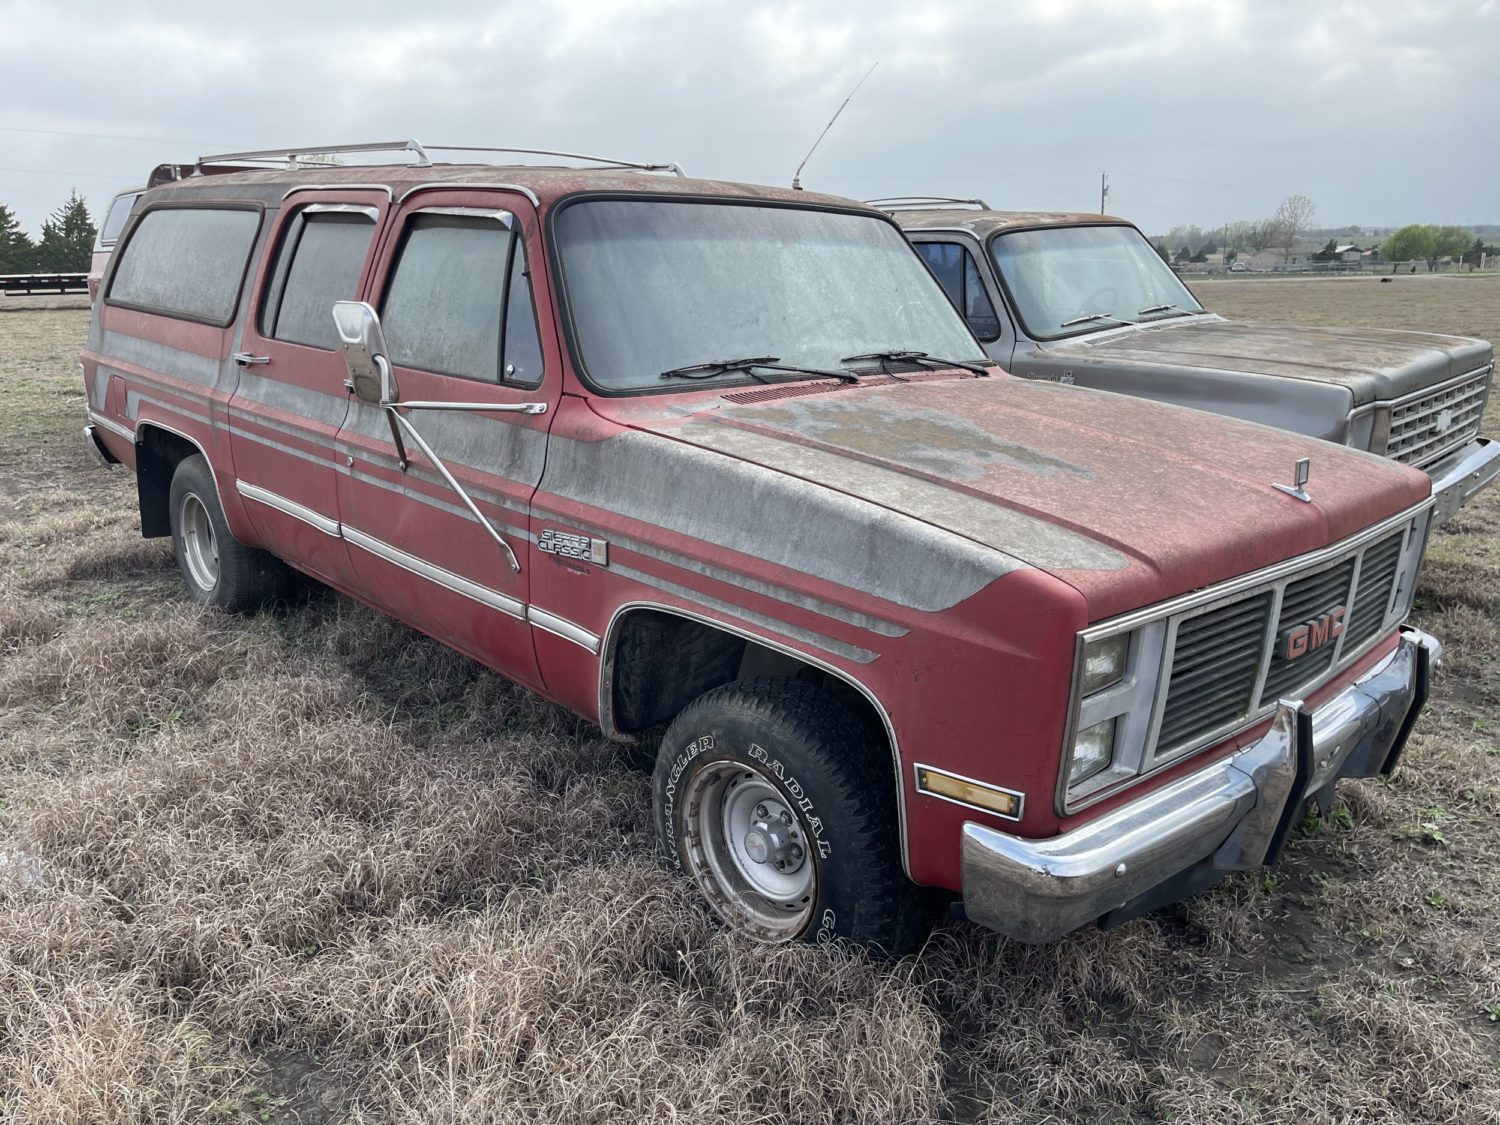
(774, 799)
(217, 568)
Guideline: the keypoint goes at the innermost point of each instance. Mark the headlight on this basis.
(1359, 431)
(1092, 751)
(1113, 701)
(1104, 662)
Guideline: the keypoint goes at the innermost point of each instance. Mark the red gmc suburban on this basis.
(725, 458)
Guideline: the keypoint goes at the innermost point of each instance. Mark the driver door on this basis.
(452, 286)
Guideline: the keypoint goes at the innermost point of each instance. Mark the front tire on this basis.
(217, 568)
(774, 799)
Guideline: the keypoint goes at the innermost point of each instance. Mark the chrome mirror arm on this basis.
(490, 407)
(411, 431)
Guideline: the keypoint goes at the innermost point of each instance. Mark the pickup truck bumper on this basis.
(92, 443)
(1232, 815)
(1460, 475)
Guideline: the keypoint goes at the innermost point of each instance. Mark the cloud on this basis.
(1201, 110)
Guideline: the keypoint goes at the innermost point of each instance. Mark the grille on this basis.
(1425, 428)
(1377, 578)
(1214, 667)
(1219, 655)
(1304, 600)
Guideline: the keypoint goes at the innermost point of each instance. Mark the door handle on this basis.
(245, 359)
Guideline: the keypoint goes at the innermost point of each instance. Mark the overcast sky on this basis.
(1382, 111)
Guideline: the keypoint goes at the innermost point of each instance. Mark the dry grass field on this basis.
(310, 866)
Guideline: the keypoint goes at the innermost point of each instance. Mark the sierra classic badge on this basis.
(1309, 636)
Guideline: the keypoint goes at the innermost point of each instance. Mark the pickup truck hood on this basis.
(1128, 501)
(1376, 364)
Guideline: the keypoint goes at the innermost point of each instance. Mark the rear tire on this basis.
(773, 798)
(217, 568)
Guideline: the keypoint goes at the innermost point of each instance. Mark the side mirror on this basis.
(364, 352)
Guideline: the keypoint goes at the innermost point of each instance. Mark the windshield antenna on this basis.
(797, 175)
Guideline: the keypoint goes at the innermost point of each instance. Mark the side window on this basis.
(959, 275)
(459, 301)
(114, 219)
(946, 260)
(186, 262)
(319, 263)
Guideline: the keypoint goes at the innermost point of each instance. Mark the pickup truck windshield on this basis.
(654, 285)
(1067, 280)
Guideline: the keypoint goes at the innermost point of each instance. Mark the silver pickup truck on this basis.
(1085, 299)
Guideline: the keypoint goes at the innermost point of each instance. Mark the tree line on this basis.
(1417, 242)
(1247, 236)
(66, 245)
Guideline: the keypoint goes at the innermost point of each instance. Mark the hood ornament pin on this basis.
(1298, 487)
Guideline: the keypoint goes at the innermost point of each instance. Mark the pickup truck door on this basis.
(290, 399)
(959, 265)
(442, 542)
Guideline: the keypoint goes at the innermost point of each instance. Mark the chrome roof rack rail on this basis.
(308, 155)
(643, 166)
(917, 202)
(294, 157)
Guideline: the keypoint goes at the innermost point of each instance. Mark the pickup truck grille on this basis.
(1228, 663)
(1215, 664)
(1426, 426)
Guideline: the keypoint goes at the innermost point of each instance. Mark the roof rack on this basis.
(307, 156)
(917, 202)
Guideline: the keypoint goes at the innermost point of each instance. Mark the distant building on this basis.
(1276, 259)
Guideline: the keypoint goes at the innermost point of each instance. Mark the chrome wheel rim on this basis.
(199, 549)
(749, 851)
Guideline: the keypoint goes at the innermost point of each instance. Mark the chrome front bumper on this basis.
(1460, 475)
(1232, 815)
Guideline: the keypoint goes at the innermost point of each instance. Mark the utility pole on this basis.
(1103, 190)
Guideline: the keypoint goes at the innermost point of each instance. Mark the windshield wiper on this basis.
(749, 364)
(1178, 309)
(921, 359)
(1087, 317)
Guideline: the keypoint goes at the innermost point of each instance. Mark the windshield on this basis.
(654, 285)
(114, 220)
(1095, 277)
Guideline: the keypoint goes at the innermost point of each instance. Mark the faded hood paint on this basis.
(1129, 501)
(1375, 364)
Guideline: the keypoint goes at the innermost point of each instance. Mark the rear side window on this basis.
(459, 302)
(186, 262)
(319, 263)
(955, 268)
(114, 220)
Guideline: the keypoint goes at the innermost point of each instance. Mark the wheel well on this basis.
(661, 662)
(158, 452)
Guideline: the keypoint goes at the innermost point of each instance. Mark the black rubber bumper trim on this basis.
(1418, 704)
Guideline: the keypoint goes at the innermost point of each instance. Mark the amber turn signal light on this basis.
(963, 791)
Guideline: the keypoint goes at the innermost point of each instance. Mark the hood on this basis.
(1375, 364)
(1127, 500)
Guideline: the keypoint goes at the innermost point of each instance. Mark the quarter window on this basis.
(114, 219)
(320, 262)
(186, 262)
(955, 268)
(459, 302)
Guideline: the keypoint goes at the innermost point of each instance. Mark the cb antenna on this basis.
(797, 175)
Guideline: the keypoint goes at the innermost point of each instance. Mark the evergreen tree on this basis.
(67, 238)
(17, 254)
